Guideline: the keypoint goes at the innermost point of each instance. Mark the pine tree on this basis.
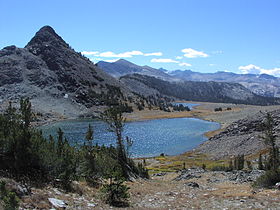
(22, 138)
(270, 140)
(90, 162)
(113, 117)
(260, 163)
(59, 142)
(89, 135)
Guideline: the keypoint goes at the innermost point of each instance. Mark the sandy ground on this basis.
(164, 193)
(214, 191)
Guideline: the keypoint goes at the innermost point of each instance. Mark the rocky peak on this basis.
(46, 37)
(52, 49)
(124, 62)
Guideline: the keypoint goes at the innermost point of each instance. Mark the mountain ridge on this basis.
(123, 67)
(47, 67)
(263, 84)
(221, 92)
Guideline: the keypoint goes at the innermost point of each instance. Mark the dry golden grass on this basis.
(179, 162)
(197, 112)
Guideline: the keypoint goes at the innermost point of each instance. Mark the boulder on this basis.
(192, 184)
(57, 203)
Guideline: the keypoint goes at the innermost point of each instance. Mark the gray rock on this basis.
(245, 176)
(192, 184)
(190, 174)
(160, 174)
(277, 185)
(57, 203)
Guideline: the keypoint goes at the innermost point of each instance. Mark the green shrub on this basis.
(269, 179)
(9, 199)
(219, 109)
(115, 194)
(238, 162)
(220, 168)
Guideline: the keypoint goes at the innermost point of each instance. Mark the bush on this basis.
(9, 199)
(220, 168)
(219, 109)
(115, 194)
(238, 163)
(269, 179)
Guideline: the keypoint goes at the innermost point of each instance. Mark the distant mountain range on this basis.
(123, 67)
(223, 92)
(264, 84)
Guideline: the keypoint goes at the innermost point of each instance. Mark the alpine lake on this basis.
(150, 138)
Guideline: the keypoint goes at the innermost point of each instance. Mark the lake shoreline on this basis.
(204, 111)
(198, 111)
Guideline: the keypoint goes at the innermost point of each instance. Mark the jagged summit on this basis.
(47, 29)
(45, 36)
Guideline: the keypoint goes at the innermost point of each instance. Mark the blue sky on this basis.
(201, 35)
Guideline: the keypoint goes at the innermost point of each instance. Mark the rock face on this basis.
(241, 137)
(232, 176)
(47, 67)
(195, 91)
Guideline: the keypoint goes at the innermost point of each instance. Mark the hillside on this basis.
(240, 137)
(196, 91)
(55, 77)
(123, 67)
(263, 84)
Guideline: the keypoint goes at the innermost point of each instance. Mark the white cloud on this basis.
(179, 57)
(153, 54)
(89, 52)
(110, 54)
(95, 59)
(212, 64)
(253, 69)
(185, 64)
(191, 53)
(250, 69)
(169, 60)
(111, 61)
(163, 60)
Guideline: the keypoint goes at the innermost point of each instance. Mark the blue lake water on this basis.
(150, 138)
